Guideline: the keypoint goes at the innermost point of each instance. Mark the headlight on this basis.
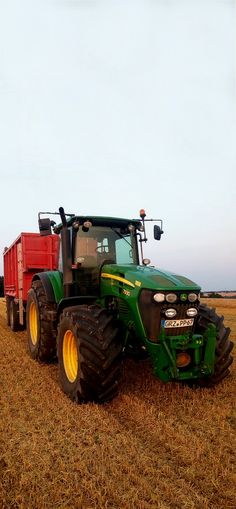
(171, 297)
(159, 297)
(191, 312)
(192, 297)
(170, 313)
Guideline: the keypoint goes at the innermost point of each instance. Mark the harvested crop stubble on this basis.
(154, 446)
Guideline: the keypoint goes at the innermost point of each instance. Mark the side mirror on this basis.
(157, 232)
(45, 227)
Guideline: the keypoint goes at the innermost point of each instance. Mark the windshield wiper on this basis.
(121, 236)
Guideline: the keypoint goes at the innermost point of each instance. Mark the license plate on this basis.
(185, 322)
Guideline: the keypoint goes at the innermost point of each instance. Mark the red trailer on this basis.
(29, 254)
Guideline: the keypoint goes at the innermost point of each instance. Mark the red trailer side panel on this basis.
(11, 270)
(29, 254)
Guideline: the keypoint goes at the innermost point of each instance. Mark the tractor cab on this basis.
(94, 246)
(96, 242)
(100, 244)
(90, 242)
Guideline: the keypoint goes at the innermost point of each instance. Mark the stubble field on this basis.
(154, 446)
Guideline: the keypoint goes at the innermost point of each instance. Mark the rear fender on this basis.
(52, 284)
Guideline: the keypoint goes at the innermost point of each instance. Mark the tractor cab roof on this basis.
(112, 222)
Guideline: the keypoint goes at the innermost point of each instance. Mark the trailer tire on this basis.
(13, 315)
(41, 324)
(224, 346)
(8, 299)
(89, 354)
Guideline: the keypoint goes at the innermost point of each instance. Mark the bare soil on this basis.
(156, 445)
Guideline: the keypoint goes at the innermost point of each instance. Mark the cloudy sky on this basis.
(108, 106)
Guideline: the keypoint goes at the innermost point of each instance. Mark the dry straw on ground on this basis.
(155, 446)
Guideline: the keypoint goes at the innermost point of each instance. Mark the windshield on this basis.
(101, 243)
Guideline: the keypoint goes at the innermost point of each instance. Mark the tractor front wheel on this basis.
(89, 354)
(223, 357)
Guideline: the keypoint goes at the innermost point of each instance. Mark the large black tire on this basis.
(13, 316)
(224, 346)
(89, 354)
(41, 324)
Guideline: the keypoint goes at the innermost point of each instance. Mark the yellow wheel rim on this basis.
(33, 323)
(70, 355)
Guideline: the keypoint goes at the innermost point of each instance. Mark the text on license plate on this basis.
(185, 322)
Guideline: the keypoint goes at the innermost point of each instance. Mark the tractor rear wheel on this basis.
(89, 354)
(224, 346)
(41, 327)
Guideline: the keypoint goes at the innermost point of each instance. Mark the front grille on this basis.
(123, 309)
(153, 313)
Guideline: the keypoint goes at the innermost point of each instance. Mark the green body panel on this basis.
(141, 278)
(152, 278)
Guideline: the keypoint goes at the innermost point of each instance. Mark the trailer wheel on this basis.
(224, 346)
(41, 324)
(89, 354)
(13, 315)
(8, 310)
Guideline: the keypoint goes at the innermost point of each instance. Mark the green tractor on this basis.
(104, 302)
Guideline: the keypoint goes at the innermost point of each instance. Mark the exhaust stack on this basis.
(66, 256)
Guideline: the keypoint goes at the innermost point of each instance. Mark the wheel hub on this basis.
(70, 355)
(33, 323)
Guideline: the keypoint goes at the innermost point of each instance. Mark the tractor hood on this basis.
(139, 276)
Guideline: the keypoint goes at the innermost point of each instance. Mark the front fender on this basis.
(84, 300)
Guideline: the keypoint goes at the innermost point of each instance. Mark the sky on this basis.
(109, 106)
